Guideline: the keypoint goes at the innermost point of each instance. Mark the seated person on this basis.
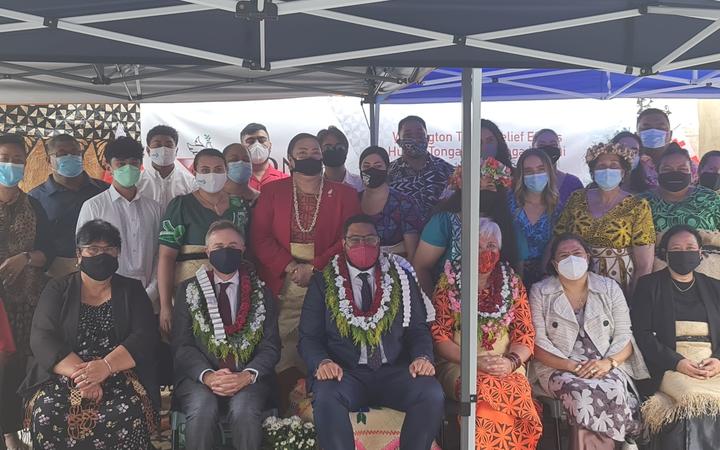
(93, 382)
(584, 350)
(368, 343)
(226, 344)
(676, 321)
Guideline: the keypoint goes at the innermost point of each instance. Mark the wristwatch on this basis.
(613, 363)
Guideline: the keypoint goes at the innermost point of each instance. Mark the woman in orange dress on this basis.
(506, 417)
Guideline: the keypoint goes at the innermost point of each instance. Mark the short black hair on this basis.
(13, 139)
(98, 231)
(213, 152)
(626, 134)
(335, 131)
(298, 137)
(162, 130)
(358, 218)
(665, 240)
(706, 158)
(60, 139)
(544, 130)
(253, 128)
(674, 149)
(407, 119)
(229, 147)
(123, 148)
(375, 150)
(648, 111)
(564, 237)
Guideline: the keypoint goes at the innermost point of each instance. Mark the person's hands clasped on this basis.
(421, 367)
(692, 369)
(711, 366)
(301, 274)
(226, 383)
(90, 373)
(12, 268)
(328, 370)
(594, 368)
(94, 393)
(494, 365)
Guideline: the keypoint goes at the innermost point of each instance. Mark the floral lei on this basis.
(392, 291)
(495, 303)
(239, 339)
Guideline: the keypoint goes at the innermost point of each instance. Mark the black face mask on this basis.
(683, 262)
(373, 177)
(552, 152)
(335, 156)
(674, 181)
(99, 267)
(710, 180)
(226, 260)
(308, 166)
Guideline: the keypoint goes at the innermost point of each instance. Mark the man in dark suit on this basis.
(225, 344)
(350, 365)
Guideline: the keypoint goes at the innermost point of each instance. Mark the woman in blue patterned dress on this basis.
(534, 206)
(396, 215)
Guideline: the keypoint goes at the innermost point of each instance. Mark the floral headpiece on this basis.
(490, 167)
(628, 154)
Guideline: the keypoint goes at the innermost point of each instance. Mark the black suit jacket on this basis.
(653, 320)
(191, 356)
(320, 338)
(55, 324)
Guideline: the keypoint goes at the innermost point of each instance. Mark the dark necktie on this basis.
(374, 357)
(224, 305)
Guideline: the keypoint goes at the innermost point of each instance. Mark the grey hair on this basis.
(222, 225)
(488, 228)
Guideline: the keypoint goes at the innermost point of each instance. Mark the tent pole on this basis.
(471, 93)
(374, 121)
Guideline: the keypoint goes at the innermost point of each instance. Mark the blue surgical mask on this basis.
(608, 179)
(69, 166)
(536, 182)
(239, 172)
(11, 174)
(653, 138)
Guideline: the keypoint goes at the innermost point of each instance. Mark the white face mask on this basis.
(573, 267)
(163, 156)
(211, 183)
(258, 153)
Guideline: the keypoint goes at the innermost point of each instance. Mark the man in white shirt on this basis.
(135, 216)
(166, 178)
(335, 147)
(225, 305)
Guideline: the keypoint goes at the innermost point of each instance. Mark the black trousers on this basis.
(12, 411)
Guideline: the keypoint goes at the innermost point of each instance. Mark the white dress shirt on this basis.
(357, 296)
(354, 181)
(138, 221)
(163, 190)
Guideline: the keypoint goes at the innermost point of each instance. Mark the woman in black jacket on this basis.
(676, 322)
(94, 340)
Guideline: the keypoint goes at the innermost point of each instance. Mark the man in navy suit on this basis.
(350, 365)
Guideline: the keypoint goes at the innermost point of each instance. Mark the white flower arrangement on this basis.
(288, 434)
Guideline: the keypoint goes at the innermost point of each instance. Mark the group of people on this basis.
(235, 281)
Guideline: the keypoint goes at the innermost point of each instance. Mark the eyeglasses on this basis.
(354, 241)
(94, 250)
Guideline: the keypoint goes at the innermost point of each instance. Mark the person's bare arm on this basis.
(166, 285)
(426, 257)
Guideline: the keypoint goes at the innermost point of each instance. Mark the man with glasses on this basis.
(136, 217)
(417, 173)
(365, 338)
(335, 146)
(63, 194)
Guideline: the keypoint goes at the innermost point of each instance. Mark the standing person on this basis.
(166, 178)
(677, 202)
(374, 353)
(506, 417)
(418, 174)
(63, 194)
(631, 141)
(709, 170)
(493, 144)
(335, 147)
(396, 216)
(186, 221)
(256, 139)
(134, 215)
(535, 207)
(25, 251)
(617, 225)
(206, 382)
(297, 227)
(93, 382)
(239, 173)
(585, 354)
(548, 141)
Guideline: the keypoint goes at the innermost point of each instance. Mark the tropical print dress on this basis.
(399, 216)
(424, 186)
(612, 236)
(123, 419)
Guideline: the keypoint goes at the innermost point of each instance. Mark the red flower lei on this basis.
(377, 298)
(245, 303)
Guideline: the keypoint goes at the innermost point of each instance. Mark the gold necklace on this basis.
(297, 208)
